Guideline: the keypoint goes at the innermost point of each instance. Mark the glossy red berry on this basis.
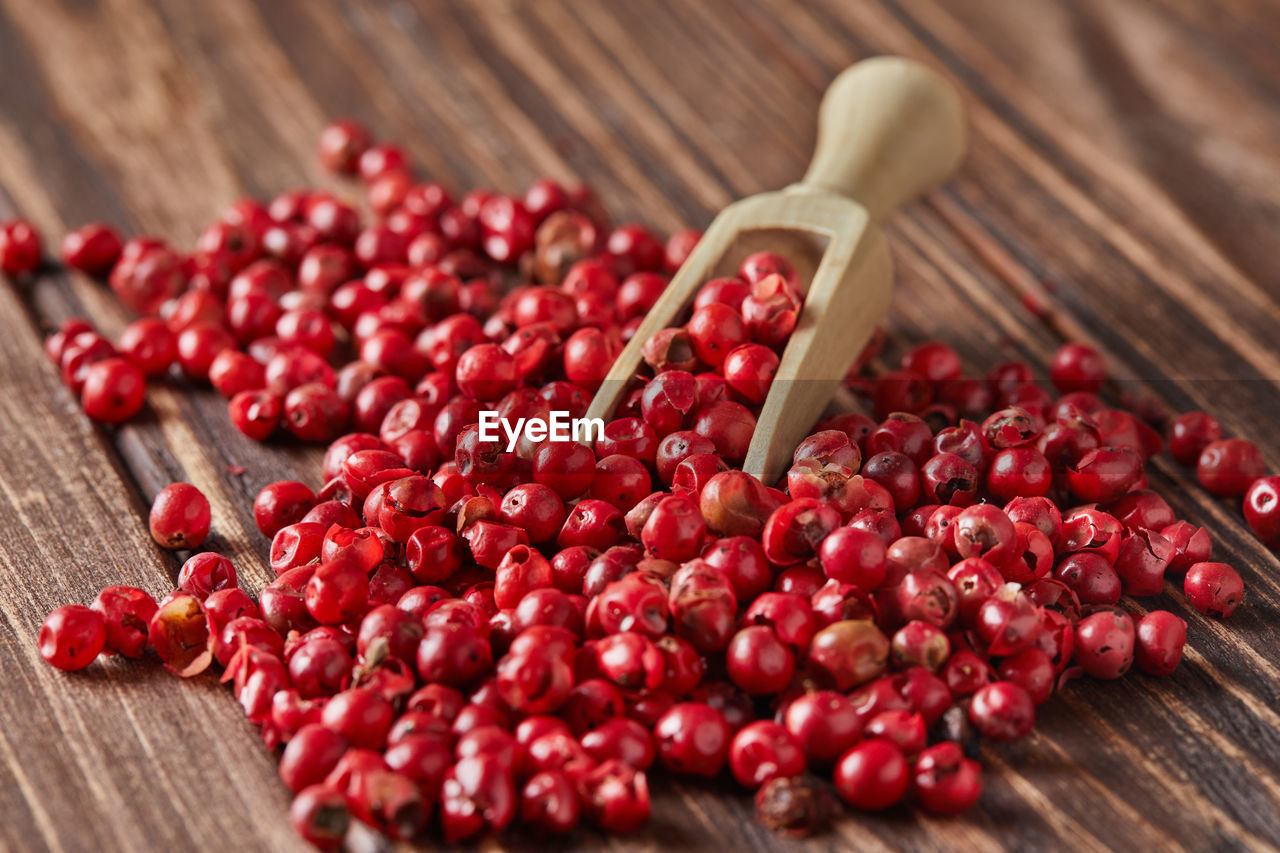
(1104, 644)
(674, 530)
(854, 556)
(311, 754)
(363, 716)
(762, 751)
(478, 795)
(72, 637)
(206, 573)
(1002, 710)
(1262, 510)
(1190, 433)
(180, 517)
(1104, 473)
(549, 802)
(1077, 367)
(873, 775)
(126, 612)
(825, 724)
(281, 503)
(113, 391)
(19, 247)
(692, 738)
(150, 345)
(1213, 588)
(1229, 466)
(336, 593)
(341, 145)
(1160, 640)
(92, 249)
(256, 414)
(759, 663)
(944, 781)
(615, 797)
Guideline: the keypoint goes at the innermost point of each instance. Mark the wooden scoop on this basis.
(888, 130)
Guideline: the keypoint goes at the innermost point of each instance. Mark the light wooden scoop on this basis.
(888, 130)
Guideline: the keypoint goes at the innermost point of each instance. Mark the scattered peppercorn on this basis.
(522, 632)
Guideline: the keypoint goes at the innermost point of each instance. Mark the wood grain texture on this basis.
(1120, 188)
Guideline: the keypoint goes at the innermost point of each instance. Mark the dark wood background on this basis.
(1123, 187)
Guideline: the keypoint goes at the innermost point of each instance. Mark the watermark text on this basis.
(559, 426)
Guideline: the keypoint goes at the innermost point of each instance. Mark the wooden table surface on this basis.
(1123, 187)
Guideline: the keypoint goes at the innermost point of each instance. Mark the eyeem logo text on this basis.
(559, 427)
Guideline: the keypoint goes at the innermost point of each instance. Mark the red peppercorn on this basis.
(341, 145)
(1077, 367)
(759, 662)
(198, 346)
(179, 630)
(944, 781)
(72, 637)
(311, 754)
(150, 345)
(19, 247)
(320, 814)
(336, 593)
(1190, 433)
(1002, 710)
(825, 724)
(1262, 510)
(257, 414)
(1007, 621)
(1104, 644)
(762, 751)
(872, 775)
(92, 249)
(692, 738)
(361, 715)
(180, 517)
(549, 802)
(1213, 588)
(615, 797)
(1091, 577)
(1160, 639)
(1104, 473)
(478, 795)
(126, 612)
(1228, 467)
(113, 391)
(280, 504)
(206, 573)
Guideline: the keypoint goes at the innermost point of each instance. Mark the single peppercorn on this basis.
(180, 517)
(72, 637)
(1213, 588)
(873, 775)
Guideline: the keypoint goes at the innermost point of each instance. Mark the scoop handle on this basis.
(888, 130)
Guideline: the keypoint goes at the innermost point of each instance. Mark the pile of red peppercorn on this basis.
(467, 636)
